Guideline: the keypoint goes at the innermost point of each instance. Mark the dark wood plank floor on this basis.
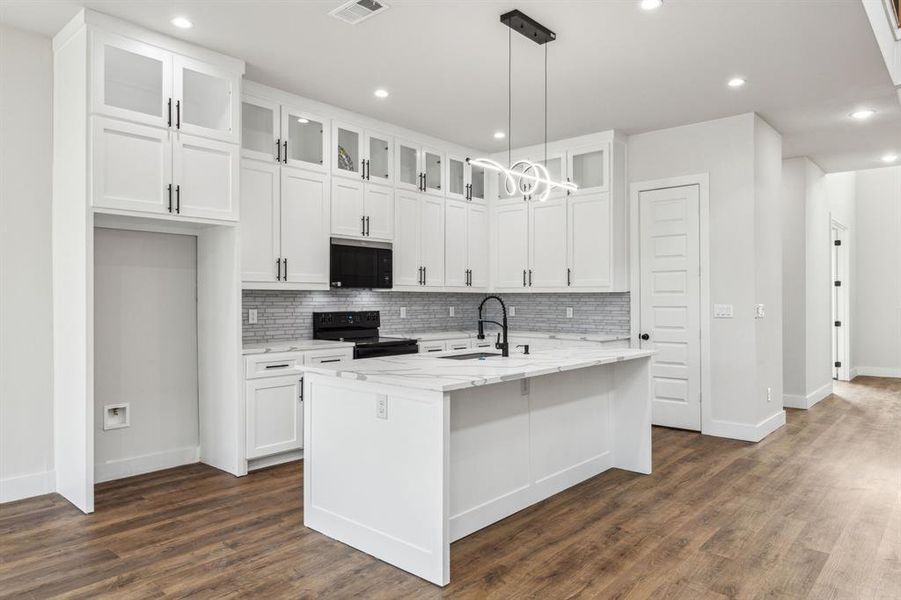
(813, 511)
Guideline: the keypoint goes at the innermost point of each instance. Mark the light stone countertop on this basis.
(432, 336)
(430, 372)
(294, 346)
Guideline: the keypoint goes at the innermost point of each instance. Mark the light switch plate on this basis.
(569, 312)
(252, 316)
(403, 312)
(451, 311)
(759, 311)
(512, 311)
(722, 311)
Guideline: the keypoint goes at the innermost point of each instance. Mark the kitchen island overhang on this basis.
(406, 454)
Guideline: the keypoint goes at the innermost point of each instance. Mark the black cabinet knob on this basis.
(645, 336)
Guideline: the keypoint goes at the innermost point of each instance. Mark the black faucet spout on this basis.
(503, 346)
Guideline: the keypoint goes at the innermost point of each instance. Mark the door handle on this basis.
(530, 277)
(178, 114)
(169, 111)
(367, 226)
(278, 269)
(425, 276)
(569, 273)
(420, 275)
(278, 150)
(169, 187)
(285, 143)
(645, 336)
(523, 278)
(363, 225)
(178, 199)
(285, 265)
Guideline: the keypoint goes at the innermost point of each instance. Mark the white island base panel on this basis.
(400, 473)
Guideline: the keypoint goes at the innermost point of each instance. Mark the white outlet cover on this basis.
(403, 312)
(512, 311)
(569, 313)
(722, 311)
(451, 311)
(252, 316)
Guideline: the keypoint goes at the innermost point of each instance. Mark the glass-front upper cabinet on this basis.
(515, 184)
(588, 168)
(347, 150)
(379, 166)
(131, 80)
(556, 169)
(304, 139)
(408, 171)
(260, 129)
(206, 100)
(457, 180)
(432, 167)
(476, 182)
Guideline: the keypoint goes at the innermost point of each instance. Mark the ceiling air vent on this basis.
(358, 10)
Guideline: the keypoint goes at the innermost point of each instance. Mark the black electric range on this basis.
(361, 328)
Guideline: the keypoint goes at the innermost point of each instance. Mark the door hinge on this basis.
(837, 242)
(838, 323)
(838, 363)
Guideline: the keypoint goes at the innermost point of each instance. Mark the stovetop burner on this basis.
(361, 328)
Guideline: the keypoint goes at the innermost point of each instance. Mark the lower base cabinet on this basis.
(274, 415)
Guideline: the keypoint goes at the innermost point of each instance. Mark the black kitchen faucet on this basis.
(504, 346)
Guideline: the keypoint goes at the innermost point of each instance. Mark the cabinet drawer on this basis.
(458, 344)
(273, 365)
(322, 357)
(425, 347)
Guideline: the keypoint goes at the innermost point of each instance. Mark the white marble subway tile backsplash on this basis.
(287, 315)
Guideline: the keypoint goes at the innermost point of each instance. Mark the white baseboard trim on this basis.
(745, 431)
(138, 465)
(27, 486)
(876, 372)
(270, 461)
(854, 373)
(805, 402)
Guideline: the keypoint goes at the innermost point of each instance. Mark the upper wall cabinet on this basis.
(142, 83)
(589, 168)
(366, 155)
(419, 168)
(284, 134)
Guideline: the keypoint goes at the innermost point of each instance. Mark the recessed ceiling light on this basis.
(381, 93)
(863, 114)
(303, 120)
(499, 135)
(737, 82)
(890, 158)
(651, 4)
(182, 23)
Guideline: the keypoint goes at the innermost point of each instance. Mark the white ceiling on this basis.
(613, 66)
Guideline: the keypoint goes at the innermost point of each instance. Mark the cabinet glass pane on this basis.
(588, 169)
(408, 172)
(478, 182)
(132, 81)
(432, 171)
(554, 165)
(455, 176)
(348, 150)
(257, 125)
(379, 159)
(517, 184)
(207, 101)
(304, 139)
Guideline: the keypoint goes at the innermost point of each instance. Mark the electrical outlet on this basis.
(403, 312)
(569, 312)
(450, 311)
(512, 311)
(722, 311)
(381, 407)
(769, 394)
(252, 316)
(759, 311)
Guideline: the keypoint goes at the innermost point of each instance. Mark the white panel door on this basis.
(407, 270)
(477, 246)
(511, 253)
(207, 99)
(259, 220)
(431, 240)
(132, 166)
(274, 418)
(547, 244)
(589, 229)
(670, 302)
(347, 207)
(304, 226)
(456, 222)
(378, 207)
(131, 80)
(206, 178)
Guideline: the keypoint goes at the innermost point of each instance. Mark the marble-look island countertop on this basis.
(432, 373)
(428, 336)
(294, 346)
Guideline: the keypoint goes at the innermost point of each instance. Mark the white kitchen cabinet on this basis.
(418, 241)
(274, 415)
(466, 245)
(361, 210)
(589, 221)
(432, 347)
(347, 150)
(261, 129)
(589, 168)
(358, 153)
(547, 244)
(206, 99)
(304, 226)
(477, 183)
(458, 344)
(303, 138)
(511, 247)
(131, 166)
(260, 221)
(457, 178)
(379, 157)
(419, 168)
(322, 357)
(205, 174)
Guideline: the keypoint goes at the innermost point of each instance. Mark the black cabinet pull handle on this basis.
(178, 199)
(419, 281)
(523, 278)
(278, 269)
(569, 276)
(169, 187)
(367, 226)
(330, 360)
(425, 276)
(169, 110)
(278, 150)
(285, 143)
(362, 225)
(178, 114)
(285, 265)
(281, 366)
(530, 277)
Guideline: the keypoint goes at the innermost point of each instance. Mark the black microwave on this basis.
(358, 264)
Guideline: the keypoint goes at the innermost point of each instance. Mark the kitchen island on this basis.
(406, 454)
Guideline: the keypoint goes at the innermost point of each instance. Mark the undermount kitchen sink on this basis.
(470, 355)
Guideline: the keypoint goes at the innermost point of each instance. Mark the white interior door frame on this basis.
(844, 309)
(702, 180)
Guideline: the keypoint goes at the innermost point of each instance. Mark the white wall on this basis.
(876, 286)
(145, 350)
(729, 150)
(26, 402)
(795, 191)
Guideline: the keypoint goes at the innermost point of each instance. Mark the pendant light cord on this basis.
(509, 97)
(545, 105)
